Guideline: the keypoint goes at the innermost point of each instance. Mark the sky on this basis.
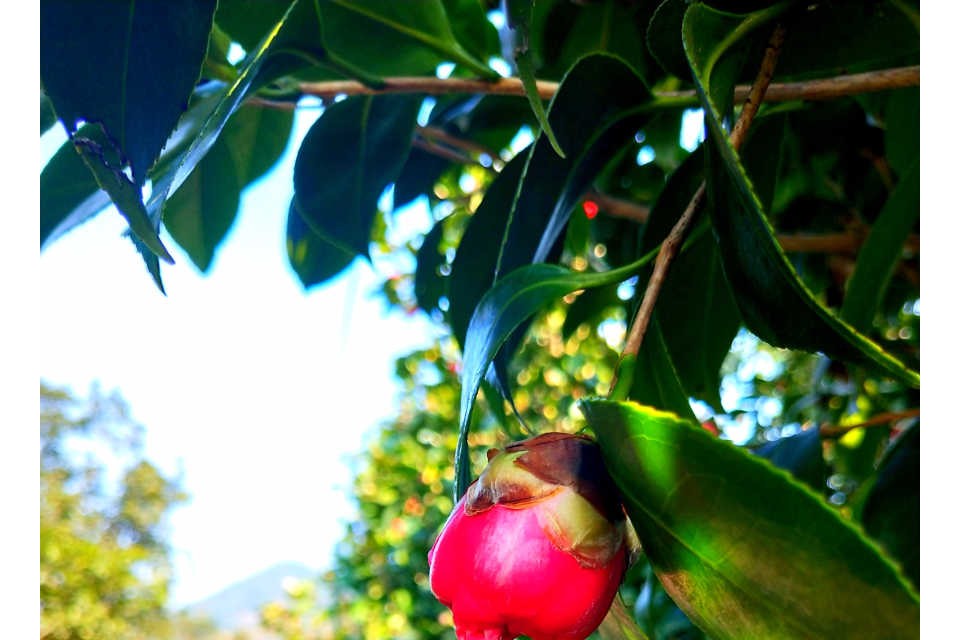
(257, 391)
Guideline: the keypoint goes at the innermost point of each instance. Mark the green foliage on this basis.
(104, 562)
(789, 319)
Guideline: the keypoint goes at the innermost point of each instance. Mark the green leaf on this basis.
(129, 66)
(742, 548)
(472, 29)
(96, 152)
(863, 36)
(698, 314)
(774, 302)
(420, 172)
(597, 110)
(428, 283)
(801, 455)
(199, 131)
(655, 378)
(882, 251)
(313, 258)
(507, 305)
(665, 38)
(417, 36)
(69, 194)
(349, 156)
(902, 138)
(257, 137)
(891, 514)
(248, 21)
(518, 18)
(203, 209)
(475, 262)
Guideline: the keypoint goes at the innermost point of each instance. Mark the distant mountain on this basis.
(238, 606)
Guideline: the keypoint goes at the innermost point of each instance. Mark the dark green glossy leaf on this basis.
(248, 21)
(698, 314)
(203, 209)
(476, 258)
(902, 139)
(429, 283)
(471, 28)
(127, 65)
(862, 36)
(774, 302)
(882, 251)
(257, 137)
(420, 172)
(47, 117)
(518, 18)
(69, 194)
(96, 152)
(741, 547)
(891, 514)
(507, 305)
(417, 36)
(349, 156)
(665, 39)
(313, 258)
(656, 381)
(801, 455)
(199, 131)
(597, 110)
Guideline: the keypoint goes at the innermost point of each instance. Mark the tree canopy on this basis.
(597, 267)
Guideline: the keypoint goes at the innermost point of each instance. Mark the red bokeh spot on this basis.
(591, 209)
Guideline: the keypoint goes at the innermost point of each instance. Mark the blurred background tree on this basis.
(105, 568)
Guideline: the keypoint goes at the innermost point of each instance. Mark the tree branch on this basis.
(818, 89)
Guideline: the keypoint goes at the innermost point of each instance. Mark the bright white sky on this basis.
(256, 389)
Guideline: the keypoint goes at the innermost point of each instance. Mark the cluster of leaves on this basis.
(808, 242)
(104, 562)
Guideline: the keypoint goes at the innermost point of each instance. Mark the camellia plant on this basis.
(725, 194)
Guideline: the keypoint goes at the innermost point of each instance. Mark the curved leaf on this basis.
(313, 258)
(203, 209)
(417, 35)
(114, 65)
(698, 314)
(96, 151)
(775, 303)
(598, 108)
(801, 455)
(197, 135)
(882, 251)
(349, 156)
(507, 305)
(69, 194)
(742, 548)
(891, 514)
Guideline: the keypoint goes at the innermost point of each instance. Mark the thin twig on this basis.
(464, 144)
(818, 89)
(674, 240)
(444, 152)
(836, 431)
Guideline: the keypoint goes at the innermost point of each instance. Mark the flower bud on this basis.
(536, 546)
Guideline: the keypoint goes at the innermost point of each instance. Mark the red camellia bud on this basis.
(536, 546)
